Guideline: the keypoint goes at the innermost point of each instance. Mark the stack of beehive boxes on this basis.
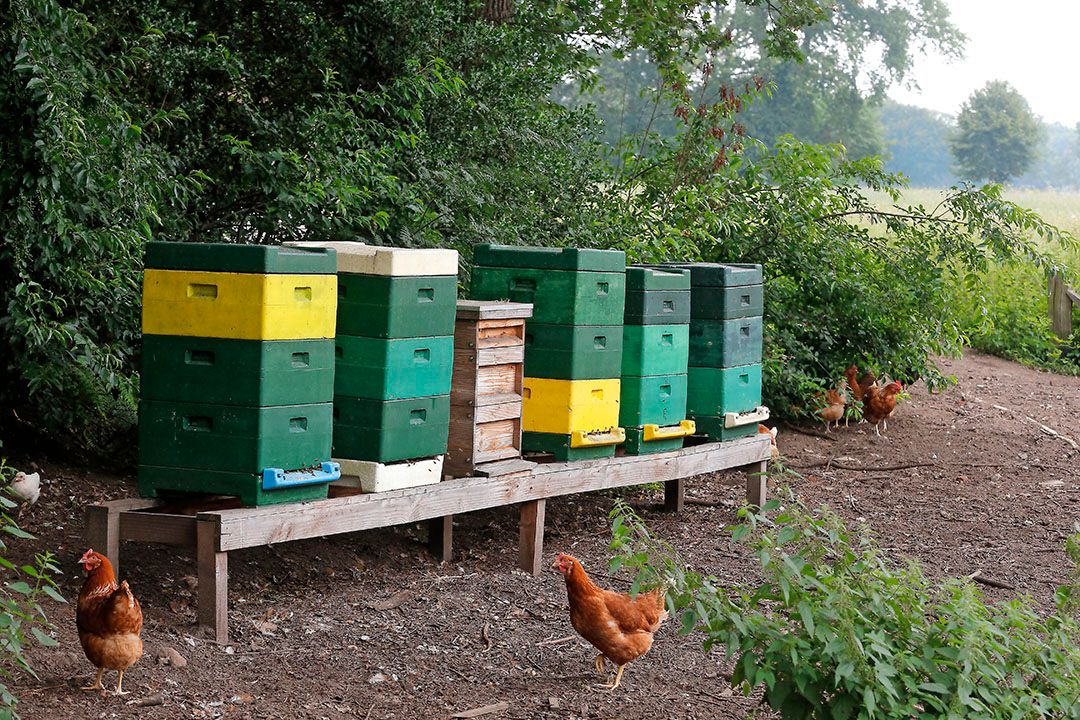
(237, 373)
(655, 353)
(573, 343)
(725, 350)
(395, 353)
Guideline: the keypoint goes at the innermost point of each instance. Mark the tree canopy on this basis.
(997, 135)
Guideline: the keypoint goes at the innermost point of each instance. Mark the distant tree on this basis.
(918, 144)
(997, 135)
(1058, 163)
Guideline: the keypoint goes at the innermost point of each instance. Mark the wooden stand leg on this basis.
(213, 580)
(674, 495)
(441, 537)
(103, 533)
(531, 542)
(757, 488)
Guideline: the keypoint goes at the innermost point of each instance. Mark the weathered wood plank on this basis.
(1061, 302)
(492, 310)
(213, 566)
(504, 467)
(757, 487)
(675, 495)
(531, 540)
(250, 527)
(441, 537)
(103, 532)
(158, 528)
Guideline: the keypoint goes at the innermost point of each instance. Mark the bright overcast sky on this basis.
(1034, 45)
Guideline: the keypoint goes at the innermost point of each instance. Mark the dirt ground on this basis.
(988, 490)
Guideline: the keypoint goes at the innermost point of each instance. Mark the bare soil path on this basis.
(315, 636)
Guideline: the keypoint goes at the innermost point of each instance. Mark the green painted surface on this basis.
(653, 400)
(720, 274)
(396, 307)
(725, 343)
(715, 391)
(392, 430)
(544, 258)
(635, 445)
(718, 303)
(559, 446)
(655, 349)
(559, 297)
(657, 307)
(230, 257)
(168, 481)
(393, 369)
(713, 427)
(640, 277)
(573, 352)
(236, 372)
(230, 438)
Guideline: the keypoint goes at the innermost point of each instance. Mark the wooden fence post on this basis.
(1062, 298)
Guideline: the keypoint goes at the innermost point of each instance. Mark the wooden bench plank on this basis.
(252, 527)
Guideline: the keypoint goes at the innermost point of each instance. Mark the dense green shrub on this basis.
(837, 629)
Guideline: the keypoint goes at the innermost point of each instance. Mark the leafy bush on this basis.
(837, 629)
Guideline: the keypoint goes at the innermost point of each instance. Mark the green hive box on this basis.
(713, 427)
(544, 258)
(573, 352)
(559, 297)
(655, 400)
(643, 278)
(726, 303)
(166, 481)
(715, 391)
(657, 307)
(636, 445)
(383, 306)
(380, 369)
(725, 343)
(388, 431)
(655, 349)
(559, 446)
(706, 274)
(229, 257)
(236, 439)
(236, 372)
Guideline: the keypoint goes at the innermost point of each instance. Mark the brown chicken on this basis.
(879, 404)
(109, 621)
(619, 627)
(833, 402)
(852, 377)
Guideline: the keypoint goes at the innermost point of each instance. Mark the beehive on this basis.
(237, 371)
(573, 342)
(485, 399)
(655, 351)
(394, 358)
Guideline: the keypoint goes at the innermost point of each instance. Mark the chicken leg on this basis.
(97, 682)
(615, 683)
(598, 663)
(119, 684)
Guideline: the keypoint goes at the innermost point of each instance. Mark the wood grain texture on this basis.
(213, 565)
(251, 527)
(492, 310)
(531, 536)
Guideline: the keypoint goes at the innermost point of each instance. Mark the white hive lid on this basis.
(356, 257)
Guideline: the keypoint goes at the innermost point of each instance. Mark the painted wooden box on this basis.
(657, 296)
(485, 399)
(654, 399)
(393, 369)
(715, 391)
(655, 349)
(573, 352)
(725, 343)
(390, 430)
(564, 407)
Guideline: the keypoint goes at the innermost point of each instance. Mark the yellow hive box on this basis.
(240, 306)
(565, 407)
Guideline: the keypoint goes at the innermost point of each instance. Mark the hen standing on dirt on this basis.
(109, 621)
(619, 626)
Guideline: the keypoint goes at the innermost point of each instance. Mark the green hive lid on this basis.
(639, 277)
(230, 257)
(546, 258)
(721, 274)
(361, 259)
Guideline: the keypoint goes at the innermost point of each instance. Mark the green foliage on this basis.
(22, 591)
(918, 146)
(996, 134)
(837, 629)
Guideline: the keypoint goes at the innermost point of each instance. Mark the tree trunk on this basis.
(497, 11)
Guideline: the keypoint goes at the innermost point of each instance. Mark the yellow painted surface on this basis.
(615, 436)
(241, 306)
(668, 432)
(568, 406)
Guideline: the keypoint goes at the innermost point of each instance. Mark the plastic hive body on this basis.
(393, 369)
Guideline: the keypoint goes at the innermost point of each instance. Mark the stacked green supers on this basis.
(237, 373)
(725, 349)
(655, 350)
(573, 343)
(395, 353)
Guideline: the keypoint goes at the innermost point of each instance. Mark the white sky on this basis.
(1034, 45)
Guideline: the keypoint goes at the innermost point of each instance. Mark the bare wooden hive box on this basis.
(485, 396)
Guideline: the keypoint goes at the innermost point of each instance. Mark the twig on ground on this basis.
(556, 641)
(485, 637)
(1044, 428)
(978, 577)
(859, 468)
